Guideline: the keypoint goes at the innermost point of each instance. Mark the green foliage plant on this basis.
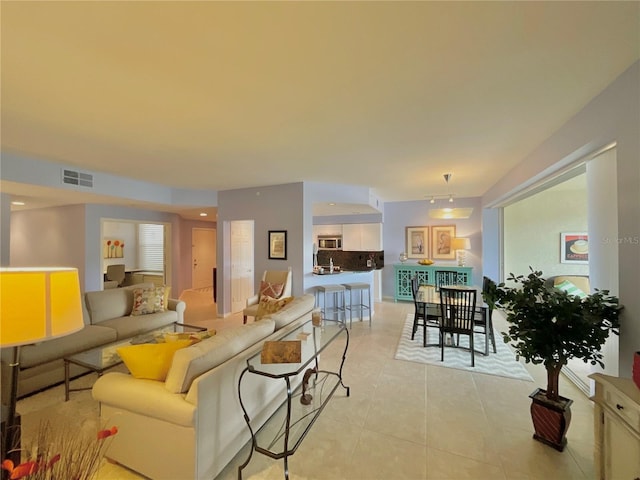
(548, 326)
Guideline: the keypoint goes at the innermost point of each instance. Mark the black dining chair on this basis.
(423, 316)
(486, 325)
(457, 315)
(444, 278)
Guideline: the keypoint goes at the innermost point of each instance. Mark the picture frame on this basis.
(277, 244)
(441, 239)
(417, 242)
(574, 247)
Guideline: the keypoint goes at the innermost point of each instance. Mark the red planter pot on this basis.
(550, 419)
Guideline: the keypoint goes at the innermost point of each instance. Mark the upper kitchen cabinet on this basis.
(335, 230)
(362, 236)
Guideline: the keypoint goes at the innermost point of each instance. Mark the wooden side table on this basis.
(617, 428)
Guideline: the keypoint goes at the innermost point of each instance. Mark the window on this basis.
(151, 246)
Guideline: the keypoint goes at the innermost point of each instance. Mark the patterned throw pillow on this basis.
(269, 305)
(273, 290)
(571, 289)
(148, 300)
(195, 337)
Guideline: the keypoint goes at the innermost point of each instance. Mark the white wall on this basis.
(399, 215)
(532, 230)
(127, 233)
(48, 237)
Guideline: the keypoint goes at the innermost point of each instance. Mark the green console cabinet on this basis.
(404, 272)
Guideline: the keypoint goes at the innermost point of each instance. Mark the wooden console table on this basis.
(404, 272)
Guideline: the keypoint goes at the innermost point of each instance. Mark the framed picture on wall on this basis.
(441, 238)
(112, 248)
(574, 247)
(278, 244)
(417, 242)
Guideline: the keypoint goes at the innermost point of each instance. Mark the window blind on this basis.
(151, 246)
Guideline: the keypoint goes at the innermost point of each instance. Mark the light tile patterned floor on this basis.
(406, 420)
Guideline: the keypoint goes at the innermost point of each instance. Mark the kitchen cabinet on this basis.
(617, 428)
(362, 237)
(334, 230)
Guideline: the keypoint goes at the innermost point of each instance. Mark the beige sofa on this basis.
(107, 318)
(191, 425)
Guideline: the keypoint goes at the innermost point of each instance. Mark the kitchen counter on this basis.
(342, 272)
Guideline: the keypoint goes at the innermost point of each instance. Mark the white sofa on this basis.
(107, 318)
(191, 425)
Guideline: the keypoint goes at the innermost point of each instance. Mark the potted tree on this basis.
(549, 326)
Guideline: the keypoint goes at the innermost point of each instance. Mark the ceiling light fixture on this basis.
(203, 214)
(447, 213)
(18, 203)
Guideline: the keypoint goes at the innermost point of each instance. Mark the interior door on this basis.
(203, 257)
(241, 263)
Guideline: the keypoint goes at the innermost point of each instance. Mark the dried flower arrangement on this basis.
(56, 454)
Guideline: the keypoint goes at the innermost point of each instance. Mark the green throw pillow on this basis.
(571, 289)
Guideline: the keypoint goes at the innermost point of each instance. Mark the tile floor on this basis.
(406, 420)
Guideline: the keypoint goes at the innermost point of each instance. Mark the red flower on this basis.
(102, 434)
(21, 471)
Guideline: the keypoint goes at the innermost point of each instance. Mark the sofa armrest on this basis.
(178, 306)
(253, 300)
(144, 397)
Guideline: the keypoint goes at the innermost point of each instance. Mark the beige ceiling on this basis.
(224, 95)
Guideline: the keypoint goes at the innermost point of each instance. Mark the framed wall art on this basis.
(441, 237)
(574, 247)
(278, 244)
(417, 242)
(112, 248)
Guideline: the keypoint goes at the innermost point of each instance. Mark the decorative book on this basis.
(284, 351)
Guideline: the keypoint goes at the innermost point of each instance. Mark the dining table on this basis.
(430, 296)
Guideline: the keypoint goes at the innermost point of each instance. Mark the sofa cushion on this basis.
(268, 305)
(89, 337)
(150, 360)
(193, 361)
(130, 325)
(294, 310)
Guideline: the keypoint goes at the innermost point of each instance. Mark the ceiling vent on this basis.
(71, 177)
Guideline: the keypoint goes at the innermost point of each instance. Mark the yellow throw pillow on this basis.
(269, 305)
(148, 300)
(150, 360)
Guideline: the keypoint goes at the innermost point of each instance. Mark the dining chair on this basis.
(445, 277)
(457, 315)
(423, 316)
(486, 325)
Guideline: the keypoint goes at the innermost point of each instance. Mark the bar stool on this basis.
(338, 306)
(360, 288)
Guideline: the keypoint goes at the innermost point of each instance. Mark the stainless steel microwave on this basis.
(329, 242)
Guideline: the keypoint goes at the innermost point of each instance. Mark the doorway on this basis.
(203, 257)
(242, 268)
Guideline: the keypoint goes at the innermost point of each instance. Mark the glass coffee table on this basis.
(104, 357)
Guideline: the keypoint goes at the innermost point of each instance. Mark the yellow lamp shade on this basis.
(460, 243)
(37, 304)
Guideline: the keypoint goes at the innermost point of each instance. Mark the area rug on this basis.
(503, 363)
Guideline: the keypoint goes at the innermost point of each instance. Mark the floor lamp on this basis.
(36, 304)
